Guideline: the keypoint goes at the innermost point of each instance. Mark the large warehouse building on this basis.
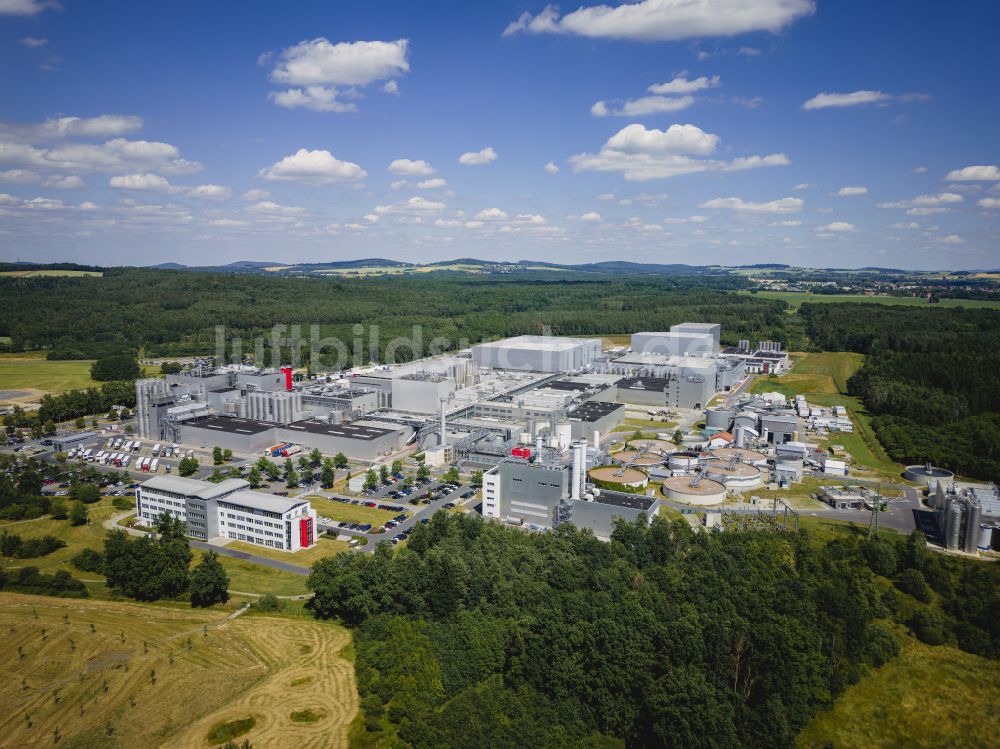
(228, 510)
(538, 353)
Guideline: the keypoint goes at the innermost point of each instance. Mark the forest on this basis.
(931, 379)
(480, 635)
(168, 313)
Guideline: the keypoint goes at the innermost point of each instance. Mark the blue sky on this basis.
(820, 133)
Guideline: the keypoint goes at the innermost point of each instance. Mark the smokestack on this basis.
(538, 446)
(444, 438)
(597, 439)
(577, 468)
(288, 378)
(740, 437)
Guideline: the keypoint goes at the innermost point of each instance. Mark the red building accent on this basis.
(306, 533)
(288, 378)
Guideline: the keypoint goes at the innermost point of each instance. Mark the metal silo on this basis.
(972, 516)
(953, 525)
(985, 537)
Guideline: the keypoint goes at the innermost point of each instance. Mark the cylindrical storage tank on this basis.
(525, 438)
(336, 417)
(733, 476)
(705, 492)
(953, 526)
(684, 462)
(752, 457)
(972, 516)
(614, 478)
(985, 538)
(660, 446)
(718, 418)
(745, 419)
(633, 457)
(928, 475)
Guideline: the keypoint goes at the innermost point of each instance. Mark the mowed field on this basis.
(798, 298)
(33, 372)
(42, 273)
(927, 698)
(119, 675)
(822, 379)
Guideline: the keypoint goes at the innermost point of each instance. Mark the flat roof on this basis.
(224, 390)
(193, 487)
(231, 424)
(621, 499)
(567, 385)
(263, 501)
(594, 410)
(345, 431)
(538, 343)
(652, 384)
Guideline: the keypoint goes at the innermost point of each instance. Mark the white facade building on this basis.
(230, 510)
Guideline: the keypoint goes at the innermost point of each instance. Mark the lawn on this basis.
(928, 697)
(34, 372)
(797, 298)
(341, 511)
(325, 547)
(113, 675)
(247, 577)
(822, 379)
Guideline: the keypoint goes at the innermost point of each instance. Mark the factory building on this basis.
(538, 353)
(276, 407)
(595, 416)
(545, 492)
(237, 434)
(228, 510)
(62, 443)
(968, 517)
(675, 344)
(713, 329)
(153, 397)
(767, 358)
(360, 439)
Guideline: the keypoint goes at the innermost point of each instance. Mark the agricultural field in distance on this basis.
(41, 273)
(798, 298)
(822, 379)
(34, 374)
(113, 675)
(926, 698)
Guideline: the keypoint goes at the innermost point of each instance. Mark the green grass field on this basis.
(34, 372)
(822, 379)
(927, 698)
(340, 511)
(325, 547)
(797, 298)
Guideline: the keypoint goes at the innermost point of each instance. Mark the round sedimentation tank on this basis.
(635, 458)
(611, 476)
(718, 418)
(733, 475)
(745, 419)
(684, 461)
(663, 447)
(752, 457)
(693, 491)
(927, 474)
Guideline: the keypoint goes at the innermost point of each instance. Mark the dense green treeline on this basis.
(175, 313)
(931, 379)
(480, 635)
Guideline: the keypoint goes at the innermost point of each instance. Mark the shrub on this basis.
(930, 626)
(89, 560)
(881, 644)
(912, 581)
(269, 603)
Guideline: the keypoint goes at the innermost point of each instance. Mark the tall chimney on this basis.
(574, 490)
(444, 438)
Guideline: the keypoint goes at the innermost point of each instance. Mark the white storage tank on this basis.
(694, 490)
(684, 462)
(718, 418)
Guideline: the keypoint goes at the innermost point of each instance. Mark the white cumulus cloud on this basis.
(475, 158)
(853, 99)
(315, 167)
(983, 173)
(666, 20)
(642, 106)
(681, 85)
(417, 167)
(210, 192)
(989, 203)
(146, 182)
(591, 216)
(320, 70)
(26, 7)
(431, 184)
(642, 153)
(780, 206)
(851, 191)
(551, 167)
(837, 227)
